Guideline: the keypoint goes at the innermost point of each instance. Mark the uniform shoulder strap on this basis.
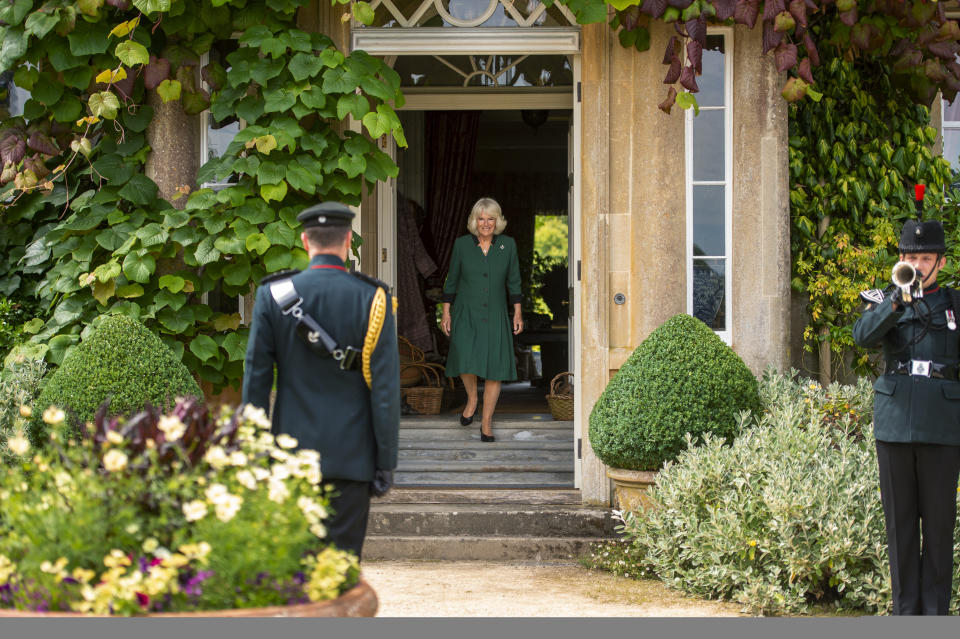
(369, 279)
(279, 275)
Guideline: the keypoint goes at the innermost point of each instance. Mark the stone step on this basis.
(488, 454)
(456, 548)
(511, 444)
(485, 479)
(518, 421)
(479, 496)
(503, 435)
(485, 466)
(485, 520)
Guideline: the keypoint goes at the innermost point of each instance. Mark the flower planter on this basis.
(359, 601)
(630, 488)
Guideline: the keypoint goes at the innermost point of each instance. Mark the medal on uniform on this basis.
(951, 320)
(501, 247)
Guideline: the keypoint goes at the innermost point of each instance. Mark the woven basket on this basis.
(428, 399)
(561, 404)
(409, 354)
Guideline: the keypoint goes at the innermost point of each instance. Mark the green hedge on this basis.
(121, 361)
(681, 379)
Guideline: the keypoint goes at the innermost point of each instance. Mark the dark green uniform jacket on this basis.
(354, 428)
(481, 332)
(911, 408)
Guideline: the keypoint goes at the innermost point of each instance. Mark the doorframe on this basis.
(470, 99)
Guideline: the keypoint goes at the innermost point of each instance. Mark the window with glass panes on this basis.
(951, 132)
(709, 188)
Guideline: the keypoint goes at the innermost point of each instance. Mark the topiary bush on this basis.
(121, 361)
(681, 379)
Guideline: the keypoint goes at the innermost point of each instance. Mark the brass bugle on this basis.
(904, 276)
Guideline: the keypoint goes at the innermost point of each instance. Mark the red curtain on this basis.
(451, 144)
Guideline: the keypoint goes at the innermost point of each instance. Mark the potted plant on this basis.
(180, 513)
(681, 382)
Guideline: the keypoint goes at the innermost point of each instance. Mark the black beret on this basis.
(326, 214)
(922, 237)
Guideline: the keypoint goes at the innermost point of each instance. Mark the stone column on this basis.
(760, 265)
(174, 139)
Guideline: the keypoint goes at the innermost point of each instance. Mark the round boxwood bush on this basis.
(681, 379)
(121, 361)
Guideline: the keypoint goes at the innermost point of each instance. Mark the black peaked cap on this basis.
(326, 214)
(922, 237)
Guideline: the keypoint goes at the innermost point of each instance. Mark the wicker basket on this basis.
(561, 403)
(428, 399)
(410, 355)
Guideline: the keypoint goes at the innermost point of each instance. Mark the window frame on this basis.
(728, 259)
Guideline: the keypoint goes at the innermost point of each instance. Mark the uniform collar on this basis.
(476, 239)
(325, 259)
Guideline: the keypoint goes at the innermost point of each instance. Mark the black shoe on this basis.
(466, 421)
(486, 438)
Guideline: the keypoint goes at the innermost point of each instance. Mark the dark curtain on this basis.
(451, 144)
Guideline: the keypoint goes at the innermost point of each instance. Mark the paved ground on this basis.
(485, 589)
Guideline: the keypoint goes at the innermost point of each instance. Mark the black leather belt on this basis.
(924, 368)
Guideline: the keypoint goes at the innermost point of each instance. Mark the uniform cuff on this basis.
(449, 297)
(516, 299)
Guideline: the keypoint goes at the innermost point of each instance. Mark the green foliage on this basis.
(681, 380)
(86, 232)
(14, 313)
(854, 157)
(199, 511)
(787, 516)
(120, 362)
(19, 384)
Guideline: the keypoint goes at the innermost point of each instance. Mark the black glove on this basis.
(898, 298)
(382, 481)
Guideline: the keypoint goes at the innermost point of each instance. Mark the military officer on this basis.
(331, 335)
(917, 422)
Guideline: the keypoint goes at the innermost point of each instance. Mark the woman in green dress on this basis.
(484, 269)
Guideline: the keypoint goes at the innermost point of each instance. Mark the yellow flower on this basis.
(216, 493)
(115, 460)
(237, 458)
(83, 575)
(25, 411)
(116, 559)
(195, 510)
(18, 445)
(7, 568)
(228, 507)
(133, 528)
(150, 544)
(753, 542)
(216, 457)
(247, 480)
(172, 428)
(114, 437)
(53, 415)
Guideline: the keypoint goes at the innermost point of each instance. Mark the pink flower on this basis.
(143, 600)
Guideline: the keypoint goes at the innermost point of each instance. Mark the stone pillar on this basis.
(174, 139)
(761, 208)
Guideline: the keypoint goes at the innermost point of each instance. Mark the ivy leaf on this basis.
(263, 70)
(273, 191)
(695, 55)
(362, 12)
(773, 7)
(139, 268)
(277, 259)
(131, 53)
(725, 8)
(103, 291)
(811, 48)
(330, 57)
(107, 271)
(227, 322)
(379, 122)
(229, 244)
(257, 243)
(771, 38)
(68, 109)
(803, 70)
(174, 300)
(42, 144)
(271, 173)
(279, 233)
(592, 13)
(794, 90)
(265, 143)
(746, 12)
(685, 100)
(204, 347)
(156, 71)
(129, 291)
(206, 251)
(173, 321)
(139, 190)
(169, 90)
(304, 66)
(236, 274)
(12, 148)
(104, 104)
(195, 102)
(302, 179)
(235, 345)
(785, 56)
(152, 6)
(688, 79)
(59, 347)
(278, 100)
(172, 283)
(352, 165)
(40, 24)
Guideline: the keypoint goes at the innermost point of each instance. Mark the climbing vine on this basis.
(84, 229)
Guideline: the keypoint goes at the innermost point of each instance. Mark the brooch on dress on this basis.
(501, 247)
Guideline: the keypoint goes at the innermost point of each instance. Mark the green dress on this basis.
(481, 333)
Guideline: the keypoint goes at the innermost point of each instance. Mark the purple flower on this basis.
(70, 580)
(192, 587)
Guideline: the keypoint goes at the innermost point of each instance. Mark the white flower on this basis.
(114, 437)
(228, 507)
(280, 471)
(150, 544)
(261, 473)
(133, 528)
(115, 460)
(216, 493)
(286, 441)
(195, 510)
(171, 427)
(53, 415)
(238, 458)
(247, 480)
(256, 415)
(278, 491)
(19, 445)
(279, 454)
(313, 511)
(313, 475)
(216, 457)
(318, 530)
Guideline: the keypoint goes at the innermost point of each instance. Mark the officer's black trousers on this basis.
(347, 526)
(918, 487)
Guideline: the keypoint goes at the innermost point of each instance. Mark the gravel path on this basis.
(486, 589)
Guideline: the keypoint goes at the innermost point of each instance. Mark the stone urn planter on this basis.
(630, 488)
(359, 601)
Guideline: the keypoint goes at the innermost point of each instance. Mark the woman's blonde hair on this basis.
(486, 205)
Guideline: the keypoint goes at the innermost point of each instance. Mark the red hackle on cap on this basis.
(918, 191)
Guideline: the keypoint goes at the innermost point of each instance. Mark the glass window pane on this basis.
(12, 97)
(708, 152)
(951, 110)
(951, 147)
(484, 70)
(708, 293)
(711, 82)
(467, 13)
(708, 220)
